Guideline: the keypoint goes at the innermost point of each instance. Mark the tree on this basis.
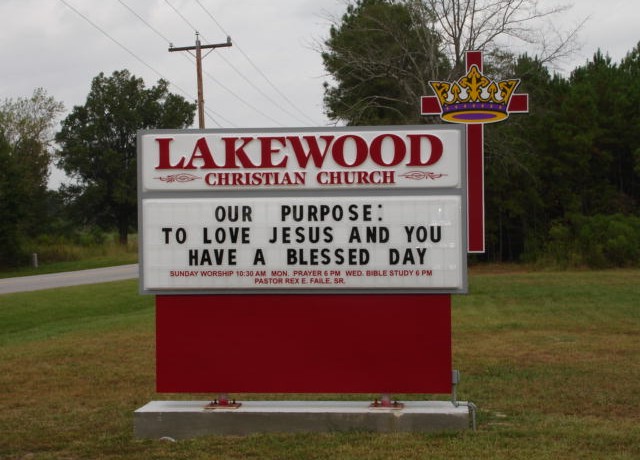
(11, 207)
(383, 53)
(629, 164)
(517, 156)
(26, 132)
(381, 60)
(26, 124)
(482, 25)
(98, 144)
(562, 182)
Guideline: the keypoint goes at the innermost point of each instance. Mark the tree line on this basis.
(562, 183)
(95, 146)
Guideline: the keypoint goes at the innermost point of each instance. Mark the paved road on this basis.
(64, 279)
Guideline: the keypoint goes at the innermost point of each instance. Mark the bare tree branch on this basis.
(480, 24)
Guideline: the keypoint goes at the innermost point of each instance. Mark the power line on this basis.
(157, 32)
(262, 74)
(248, 104)
(233, 94)
(198, 49)
(259, 90)
(181, 15)
(253, 85)
(241, 74)
(208, 112)
(135, 56)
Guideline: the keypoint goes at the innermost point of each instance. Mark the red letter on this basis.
(399, 150)
(232, 152)
(416, 154)
(267, 150)
(164, 157)
(204, 154)
(338, 151)
(314, 149)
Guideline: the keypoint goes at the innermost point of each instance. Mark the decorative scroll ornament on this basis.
(420, 175)
(182, 177)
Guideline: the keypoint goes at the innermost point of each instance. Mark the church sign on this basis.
(321, 210)
(280, 257)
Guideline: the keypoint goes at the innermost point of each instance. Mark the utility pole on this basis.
(198, 49)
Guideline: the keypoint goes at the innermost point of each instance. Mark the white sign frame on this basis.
(173, 233)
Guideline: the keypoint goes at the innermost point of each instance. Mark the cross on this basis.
(519, 103)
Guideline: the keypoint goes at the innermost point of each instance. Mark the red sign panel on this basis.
(304, 344)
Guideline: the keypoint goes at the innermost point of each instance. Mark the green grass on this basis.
(552, 359)
(43, 315)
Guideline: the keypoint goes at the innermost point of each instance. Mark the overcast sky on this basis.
(45, 43)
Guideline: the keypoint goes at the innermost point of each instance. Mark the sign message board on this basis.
(303, 210)
(302, 243)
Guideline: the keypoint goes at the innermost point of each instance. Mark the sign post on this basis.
(475, 100)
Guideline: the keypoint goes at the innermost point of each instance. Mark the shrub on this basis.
(600, 241)
(610, 241)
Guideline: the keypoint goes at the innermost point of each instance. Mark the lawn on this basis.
(552, 359)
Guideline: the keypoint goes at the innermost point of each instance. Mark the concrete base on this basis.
(188, 419)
